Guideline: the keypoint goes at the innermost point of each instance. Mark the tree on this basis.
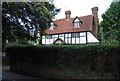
(110, 26)
(24, 20)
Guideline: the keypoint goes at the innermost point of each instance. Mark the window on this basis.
(77, 22)
(77, 35)
(49, 37)
(73, 35)
(83, 34)
(52, 27)
(66, 35)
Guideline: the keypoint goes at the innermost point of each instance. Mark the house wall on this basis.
(71, 38)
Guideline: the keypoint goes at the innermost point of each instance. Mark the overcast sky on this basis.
(81, 7)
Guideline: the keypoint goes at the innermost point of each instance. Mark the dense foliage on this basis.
(23, 21)
(109, 30)
(89, 58)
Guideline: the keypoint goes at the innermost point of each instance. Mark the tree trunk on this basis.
(41, 33)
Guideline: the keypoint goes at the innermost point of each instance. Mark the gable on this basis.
(65, 25)
(77, 22)
(52, 27)
(59, 41)
(77, 19)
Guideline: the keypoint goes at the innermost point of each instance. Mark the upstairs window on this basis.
(77, 22)
(52, 27)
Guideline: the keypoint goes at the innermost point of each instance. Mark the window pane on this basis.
(73, 35)
(49, 37)
(77, 24)
(77, 35)
(66, 35)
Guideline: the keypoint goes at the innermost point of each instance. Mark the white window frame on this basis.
(77, 23)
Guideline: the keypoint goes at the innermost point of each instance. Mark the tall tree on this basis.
(110, 26)
(24, 20)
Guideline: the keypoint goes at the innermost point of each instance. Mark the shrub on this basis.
(100, 58)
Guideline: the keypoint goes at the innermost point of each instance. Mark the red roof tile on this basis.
(64, 25)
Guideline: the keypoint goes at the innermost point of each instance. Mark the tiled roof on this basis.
(65, 25)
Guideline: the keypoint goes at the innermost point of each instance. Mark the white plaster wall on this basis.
(91, 38)
(56, 35)
(51, 41)
(82, 33)
(62, 38)
(82, 40)
(69, 34)
(73, 40)
(43, 41)
(69, 40)
(66, 41)
(47, 41)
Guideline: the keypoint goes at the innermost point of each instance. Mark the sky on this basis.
(81, 7)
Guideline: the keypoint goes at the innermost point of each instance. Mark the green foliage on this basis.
(99, 58)
(110, 26)
(25, 20)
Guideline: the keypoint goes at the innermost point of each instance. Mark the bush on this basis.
(99, 58)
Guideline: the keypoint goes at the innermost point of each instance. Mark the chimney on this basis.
(67, 14)
(95, 21)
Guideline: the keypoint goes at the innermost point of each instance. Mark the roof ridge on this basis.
(85, 16)
(73, 17)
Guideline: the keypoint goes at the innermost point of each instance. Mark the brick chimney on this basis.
(95, 21)
(67, 14)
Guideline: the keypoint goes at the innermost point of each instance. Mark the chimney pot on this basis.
(67, 14)
(95, 8)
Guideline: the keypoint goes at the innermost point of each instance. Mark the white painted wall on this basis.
(79, 40)
(91, 38)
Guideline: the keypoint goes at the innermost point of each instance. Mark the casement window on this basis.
(75, 35)
(77, 24)
(49, 37)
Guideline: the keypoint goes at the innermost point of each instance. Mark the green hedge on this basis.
(99, 58)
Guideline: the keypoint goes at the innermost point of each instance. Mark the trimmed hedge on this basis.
(99, 58)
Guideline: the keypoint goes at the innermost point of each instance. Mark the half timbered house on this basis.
(78, 30)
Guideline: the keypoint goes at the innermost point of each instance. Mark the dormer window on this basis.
(52, 27)
(77, 22)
